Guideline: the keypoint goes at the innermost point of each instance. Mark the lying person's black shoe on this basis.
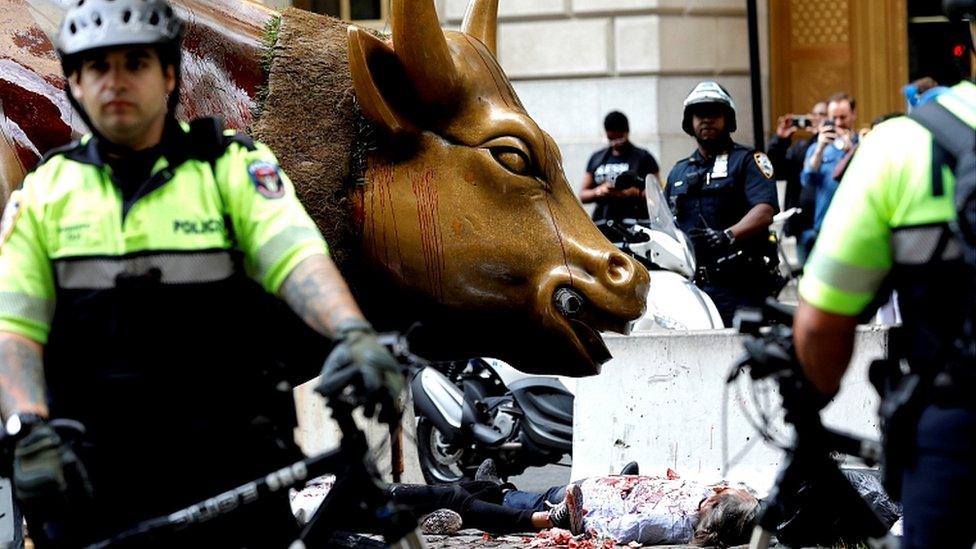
(630, 469)
(488, 471)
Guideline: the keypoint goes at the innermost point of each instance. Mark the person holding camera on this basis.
(724, 197)
(835, 140)
(139, 270)
(614, 201)
(904, 219)
(788, 156)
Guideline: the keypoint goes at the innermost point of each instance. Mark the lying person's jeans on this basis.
(534, 501)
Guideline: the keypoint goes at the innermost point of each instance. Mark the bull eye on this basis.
(512, 153)
(512, 160)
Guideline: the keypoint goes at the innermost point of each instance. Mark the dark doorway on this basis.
(937, 48)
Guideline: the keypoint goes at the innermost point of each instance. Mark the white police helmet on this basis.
(709, 92)
(93, 24)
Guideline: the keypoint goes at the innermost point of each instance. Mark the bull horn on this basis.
(422, 49)
(481, 22)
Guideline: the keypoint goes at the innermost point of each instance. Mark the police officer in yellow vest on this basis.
(134, 269)
(892, 219)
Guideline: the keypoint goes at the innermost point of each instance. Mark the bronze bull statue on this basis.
(443, 201)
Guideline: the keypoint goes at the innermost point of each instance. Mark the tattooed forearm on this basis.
(316, 291)
(22, 385)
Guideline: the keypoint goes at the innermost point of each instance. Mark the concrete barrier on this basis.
(317, 432)
(659, 402)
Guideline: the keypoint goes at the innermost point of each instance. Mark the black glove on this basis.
(710, 241)
(47, 473)
(361, 362)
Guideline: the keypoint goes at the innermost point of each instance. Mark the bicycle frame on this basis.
(810, 478)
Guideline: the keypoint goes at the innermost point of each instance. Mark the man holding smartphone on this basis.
(788, 156)
(835, 139)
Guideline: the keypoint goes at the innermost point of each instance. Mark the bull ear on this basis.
(481, 22)
(374, 66)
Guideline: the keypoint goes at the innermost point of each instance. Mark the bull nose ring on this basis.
(568, 302)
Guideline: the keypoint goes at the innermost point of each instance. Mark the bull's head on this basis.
(477, 218)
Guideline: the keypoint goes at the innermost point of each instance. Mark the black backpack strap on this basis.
(958, 140)
(207, 139)
(952, 139)
(208, 143)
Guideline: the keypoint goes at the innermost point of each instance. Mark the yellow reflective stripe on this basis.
(844, 276)
(26, 307)
(272, 252)
(181, 268)
(833, 300)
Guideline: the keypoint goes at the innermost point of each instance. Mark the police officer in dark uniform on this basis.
(724, 197)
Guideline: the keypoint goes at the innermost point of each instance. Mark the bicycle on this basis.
(812, 502)
(358, 487)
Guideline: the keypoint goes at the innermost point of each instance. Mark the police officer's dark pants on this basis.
(939, 489)
(728, 298)
(175, 472)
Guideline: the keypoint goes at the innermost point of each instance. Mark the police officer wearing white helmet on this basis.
(139, 270)
(724, 197)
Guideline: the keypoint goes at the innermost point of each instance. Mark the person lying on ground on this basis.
(622, 507)
(656, 510)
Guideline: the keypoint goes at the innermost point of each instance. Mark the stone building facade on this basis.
(572, 61)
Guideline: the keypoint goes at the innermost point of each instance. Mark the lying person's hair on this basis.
(729, 522)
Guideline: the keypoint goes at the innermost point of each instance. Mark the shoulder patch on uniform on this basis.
(764, 164)
(10, 214)
(266, 178)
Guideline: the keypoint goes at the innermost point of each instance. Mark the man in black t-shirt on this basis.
(599, 182)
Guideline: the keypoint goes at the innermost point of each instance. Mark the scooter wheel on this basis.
(440, 462)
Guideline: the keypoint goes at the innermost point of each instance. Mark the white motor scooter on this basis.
(673, 300)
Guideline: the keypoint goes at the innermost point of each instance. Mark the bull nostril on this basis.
(568, 302)
(620, 268)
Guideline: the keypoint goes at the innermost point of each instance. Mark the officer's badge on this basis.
(764, 164)
(10, 214)
(266, 178)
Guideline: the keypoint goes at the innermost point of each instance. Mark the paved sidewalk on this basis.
(473, 538)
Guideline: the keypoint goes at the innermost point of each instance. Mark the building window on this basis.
(350, 10)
